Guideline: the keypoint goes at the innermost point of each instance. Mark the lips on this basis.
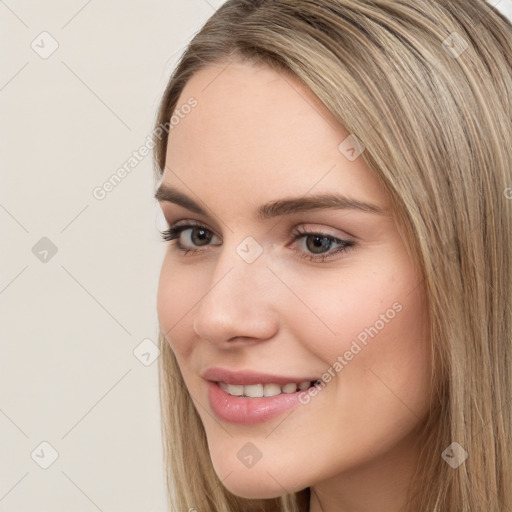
(249, 397)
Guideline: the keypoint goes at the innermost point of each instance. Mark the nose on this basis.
(240, 303)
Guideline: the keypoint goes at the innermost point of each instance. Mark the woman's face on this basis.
(283, 285)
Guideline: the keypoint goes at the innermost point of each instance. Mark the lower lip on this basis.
(248, 411)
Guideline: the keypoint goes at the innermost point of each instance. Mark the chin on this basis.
(253, 486)
(249, 483)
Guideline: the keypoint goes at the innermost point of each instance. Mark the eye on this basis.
(199, 235)
(315, 242)
(318, 245)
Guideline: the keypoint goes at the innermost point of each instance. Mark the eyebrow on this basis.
(279, 207)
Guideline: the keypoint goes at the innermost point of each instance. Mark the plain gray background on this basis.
(80, 82)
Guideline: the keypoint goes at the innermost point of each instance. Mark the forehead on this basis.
(255, 130)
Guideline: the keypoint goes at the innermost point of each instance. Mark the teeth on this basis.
(254, 390)
(261, 390)
(271, 390)
(232, 389)
(289, 388)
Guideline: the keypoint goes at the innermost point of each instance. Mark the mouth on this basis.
(248, 398)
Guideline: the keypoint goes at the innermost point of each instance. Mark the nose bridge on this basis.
(244, 263)
(240, 274)
(238, 302)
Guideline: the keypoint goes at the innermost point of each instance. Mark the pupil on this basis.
(202, 237)
(318, 241)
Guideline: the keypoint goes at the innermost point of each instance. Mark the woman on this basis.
(335, 299)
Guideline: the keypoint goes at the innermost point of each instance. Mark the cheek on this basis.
(372, 335)
(175, 297)
(364, 305)
(385, 365)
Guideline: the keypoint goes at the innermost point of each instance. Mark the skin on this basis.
(257, 135)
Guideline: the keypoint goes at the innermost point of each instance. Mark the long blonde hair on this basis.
(427, 87)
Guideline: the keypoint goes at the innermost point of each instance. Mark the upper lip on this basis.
(248, 377)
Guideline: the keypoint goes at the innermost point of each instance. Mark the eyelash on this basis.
(174, 232)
